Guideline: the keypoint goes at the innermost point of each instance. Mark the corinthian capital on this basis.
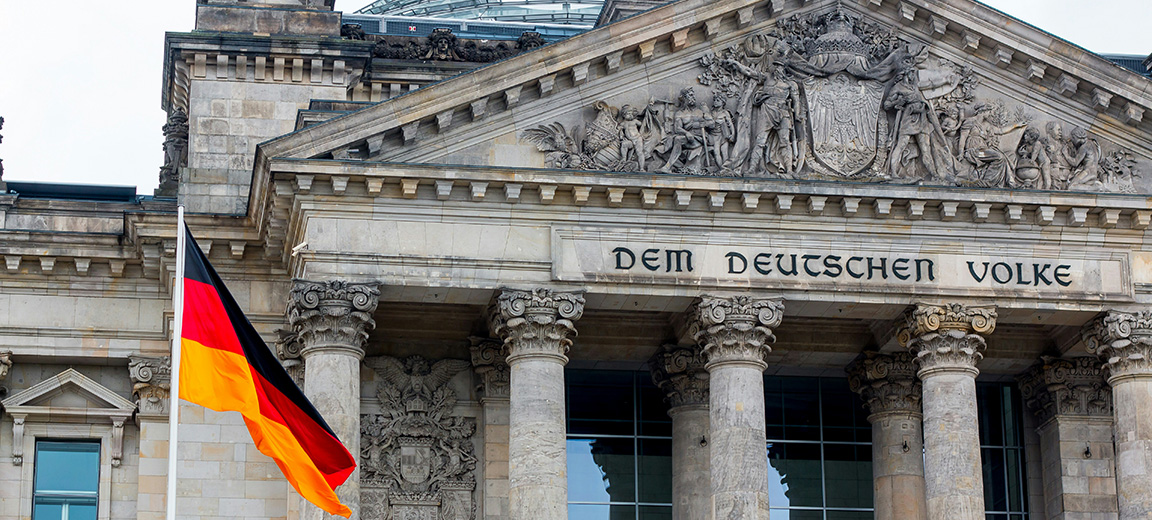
(736, 329)
(1064, 387)
(536, 323)
(1123, 341)
(887, 382)
(151, 383)
(490, 362)
(947, 337)
(680, 373)
(333, 314)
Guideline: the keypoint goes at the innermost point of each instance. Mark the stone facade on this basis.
(431, 247)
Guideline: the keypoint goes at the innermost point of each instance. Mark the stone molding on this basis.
(947, 337)
(1066, 387)
(151, 383)
(886, 382)
(736, 329)
(334, 314)
(1123, 341)
(536, 323)
(490, 362)
(680, 373)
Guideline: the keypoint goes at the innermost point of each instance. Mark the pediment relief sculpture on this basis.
(836, 97)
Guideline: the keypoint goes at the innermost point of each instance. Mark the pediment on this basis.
(807, 90)
(71, 394)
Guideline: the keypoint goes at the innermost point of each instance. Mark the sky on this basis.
(80, 81)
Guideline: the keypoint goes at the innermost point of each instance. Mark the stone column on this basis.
(1072, 403)
(151, 384)
(332, 321)
(679, 372)
(736, 334)
(1124, 342)
(888, 384)
(537, 329)
(948, 342)
(491, 365)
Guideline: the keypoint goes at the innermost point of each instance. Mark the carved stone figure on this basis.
(352, 31)
(723, 134)
(443, 46)
(151, 383)
(417, 453)
(1028, 172)
(915, 122)
(175, 152)
(1085, 162)
(686, 142)
(529, 40)
(980, 147)
(5, 366)
(1, 160)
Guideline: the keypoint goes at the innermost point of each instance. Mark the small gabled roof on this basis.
(100, 401)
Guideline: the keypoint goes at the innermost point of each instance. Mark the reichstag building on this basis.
(699, 260)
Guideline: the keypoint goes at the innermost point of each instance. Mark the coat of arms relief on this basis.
(835, 97)
(417, 459)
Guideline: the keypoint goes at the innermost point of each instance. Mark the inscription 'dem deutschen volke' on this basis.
(847, 266)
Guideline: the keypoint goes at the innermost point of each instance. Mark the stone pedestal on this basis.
(332, 320)
(736, 334)
(1072, 403)
(537, 328)
(680, 373)
(491, 365)
(1124, 343)
(888, 385)
(948, 342)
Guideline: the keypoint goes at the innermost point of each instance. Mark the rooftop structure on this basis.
(533, 11)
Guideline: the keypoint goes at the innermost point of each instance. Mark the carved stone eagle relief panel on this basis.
(833, 96)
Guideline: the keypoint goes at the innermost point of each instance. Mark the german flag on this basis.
(225, 366)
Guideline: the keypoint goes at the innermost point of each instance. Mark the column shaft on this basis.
(691, 480)
(954, 481)
(947, 340)
(536, 327)
(332, 384)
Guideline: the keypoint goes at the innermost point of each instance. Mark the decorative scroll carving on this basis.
(175, 152)
(886, 382)
(1062, 387)
(151, 383)
(5, 364)
(947, 336)
(680, 373)
(836, 97)
(536, 323)
(1123, 341)
(417, 457)
(18, 438)
(443, 45)
(735, 329)
(489, 360)
(332, 313)
(288, 348)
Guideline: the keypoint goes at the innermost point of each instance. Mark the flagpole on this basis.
(174, 395)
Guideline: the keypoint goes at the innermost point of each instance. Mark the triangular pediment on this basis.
(1011, 105)
(69, 393)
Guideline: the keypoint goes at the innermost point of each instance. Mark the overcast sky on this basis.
(80, 80)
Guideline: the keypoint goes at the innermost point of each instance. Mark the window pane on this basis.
(1015, 480)
(654, 419)
(47, 511)
(794, 477)
(848, 475)
(801, 401)
(67, 467)
(656, 471)
(600, 512)
(991, 412)
(600, 402)
(843, 413)
(655, 513)
(995, 494)
(849, 515)
(81, 512)
(601, 470)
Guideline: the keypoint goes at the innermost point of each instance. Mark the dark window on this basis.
(819, 450)
(66, 482)
(1002, 451)
(619, 447)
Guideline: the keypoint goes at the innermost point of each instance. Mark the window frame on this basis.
(44, 431)
(67, 498)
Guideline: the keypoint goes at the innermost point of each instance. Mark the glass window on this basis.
(1002, 451)
(66, 481)
(619, 447)
(819, 450)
